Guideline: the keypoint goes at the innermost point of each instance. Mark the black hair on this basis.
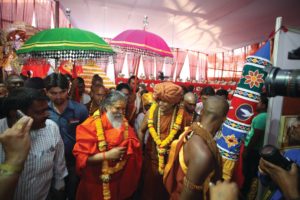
(80, 80)
(96, 78)
(184, 89)
(56, 80)
(121, 86)
(131, 77)
(222, 92)
(22, 99)
(191, 88)
(35, 83)
(208, 90)
(69, 77)
(97, 86)
(12, 76)
(264, 99)
(144, 92)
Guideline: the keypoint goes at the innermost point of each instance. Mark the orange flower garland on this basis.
(107, 171)
(162, 145)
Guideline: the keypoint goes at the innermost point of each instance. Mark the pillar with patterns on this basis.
(242, 108)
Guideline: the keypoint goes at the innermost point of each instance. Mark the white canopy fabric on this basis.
(203, 25)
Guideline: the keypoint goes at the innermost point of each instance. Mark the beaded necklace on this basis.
(107, 170)
(162, 145)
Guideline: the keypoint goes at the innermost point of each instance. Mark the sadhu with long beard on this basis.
(108, 153)
(165, 120)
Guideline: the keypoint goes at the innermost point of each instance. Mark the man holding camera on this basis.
(286, 180)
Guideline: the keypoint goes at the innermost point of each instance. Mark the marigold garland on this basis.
(163, 145)
(107, 171)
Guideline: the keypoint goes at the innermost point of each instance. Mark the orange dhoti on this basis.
(122, 184)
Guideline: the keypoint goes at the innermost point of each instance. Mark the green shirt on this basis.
(258, 122)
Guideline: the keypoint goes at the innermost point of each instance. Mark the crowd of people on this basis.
(59, 142)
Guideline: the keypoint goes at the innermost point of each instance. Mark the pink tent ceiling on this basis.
(206, 25)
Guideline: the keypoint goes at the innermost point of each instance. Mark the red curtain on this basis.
(133, 61)
(28, 11)
(148, 63)
(193, 61)
(229, 65)
(24, 11)
(43, 14)
(180, 58)
(159, 65)
(119, 62)
(202, 66)
(8, 12)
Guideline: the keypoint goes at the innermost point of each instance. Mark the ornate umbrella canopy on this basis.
(66, 43)
(142, 42)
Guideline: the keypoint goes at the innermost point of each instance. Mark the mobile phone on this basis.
(19, 114)
(271, 153)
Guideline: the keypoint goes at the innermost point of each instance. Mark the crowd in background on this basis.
(62, 155)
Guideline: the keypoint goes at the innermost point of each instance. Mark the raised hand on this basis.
(16, 141)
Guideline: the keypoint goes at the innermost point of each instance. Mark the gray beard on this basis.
(115, 121)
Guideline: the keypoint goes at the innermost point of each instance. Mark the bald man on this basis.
(189, 102)
(194, 159)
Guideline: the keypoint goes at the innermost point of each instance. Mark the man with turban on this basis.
(165, 120)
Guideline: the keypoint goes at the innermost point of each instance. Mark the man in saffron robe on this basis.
(165, 118)
(189, 102)
(194, 159)
(108, 153)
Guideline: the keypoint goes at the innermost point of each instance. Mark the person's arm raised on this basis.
(143, 128)
(16, 144)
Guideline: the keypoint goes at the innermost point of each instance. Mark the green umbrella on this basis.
(65, 43)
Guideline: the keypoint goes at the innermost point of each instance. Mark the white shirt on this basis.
(199, 107)
(45, 165)
(85, 98)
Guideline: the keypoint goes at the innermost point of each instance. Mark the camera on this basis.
(271, 153)
(281, 82)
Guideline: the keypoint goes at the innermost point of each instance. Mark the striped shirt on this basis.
(45, 165)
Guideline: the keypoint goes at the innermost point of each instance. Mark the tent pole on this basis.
(137, 64)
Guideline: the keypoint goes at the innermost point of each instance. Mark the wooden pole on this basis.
(56, 21)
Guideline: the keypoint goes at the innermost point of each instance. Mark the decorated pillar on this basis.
(242, 109)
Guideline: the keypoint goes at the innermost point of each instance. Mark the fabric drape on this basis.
(8, 12)
(159, 65)
(180, 58)
(202, 66)
(193, 61)
(170, 67)
(148, 63)
(119, 62)
(133, 61)
(43, 14)
(63, 21)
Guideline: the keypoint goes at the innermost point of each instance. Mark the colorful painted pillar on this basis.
(242, 109)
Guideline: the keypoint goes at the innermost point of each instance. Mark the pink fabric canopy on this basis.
(141, 41)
